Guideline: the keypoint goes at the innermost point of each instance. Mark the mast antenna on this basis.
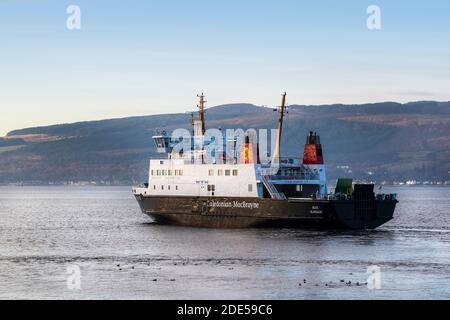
(192, 123)
(281, 112)
(201, 111)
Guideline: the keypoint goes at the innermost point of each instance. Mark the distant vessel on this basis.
(241, 192)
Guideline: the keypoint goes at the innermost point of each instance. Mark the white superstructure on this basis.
(190, 174)
(174, 177)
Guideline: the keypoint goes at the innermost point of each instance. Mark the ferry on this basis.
(240, 191)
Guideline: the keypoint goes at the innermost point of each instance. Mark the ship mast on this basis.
(281, 111)
(193, 123)
(201, 112)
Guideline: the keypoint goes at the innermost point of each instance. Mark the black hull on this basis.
(255, 212)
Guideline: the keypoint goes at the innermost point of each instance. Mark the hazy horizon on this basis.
(153, 57)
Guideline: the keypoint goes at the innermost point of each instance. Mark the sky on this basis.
(149, 57)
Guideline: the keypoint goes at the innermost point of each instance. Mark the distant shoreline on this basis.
(388, 143)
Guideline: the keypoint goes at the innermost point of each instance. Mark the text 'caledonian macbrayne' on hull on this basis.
(194, 186)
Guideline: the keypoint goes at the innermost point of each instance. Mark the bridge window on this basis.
(158, 172)
(220, 172)
(227, 172)
(235, 172)
(211, 172)
(159, 142)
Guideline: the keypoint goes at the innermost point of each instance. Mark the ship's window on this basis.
(152, 173)
(164, 172)
(162, 187)
(158, 172)
(250, 188)
(220, 172)
(154, 187)
(161, 162)
(176, 172)
(235, 172)
(168, 187)
(211, 187)
(176, 187)
(227, 172)
(169, 172)
(181, 172)
(211, 172)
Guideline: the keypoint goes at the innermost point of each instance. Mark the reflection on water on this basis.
(122, 254)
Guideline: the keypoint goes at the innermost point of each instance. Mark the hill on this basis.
(383, 141)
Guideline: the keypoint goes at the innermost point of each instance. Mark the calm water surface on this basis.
(123, 255)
